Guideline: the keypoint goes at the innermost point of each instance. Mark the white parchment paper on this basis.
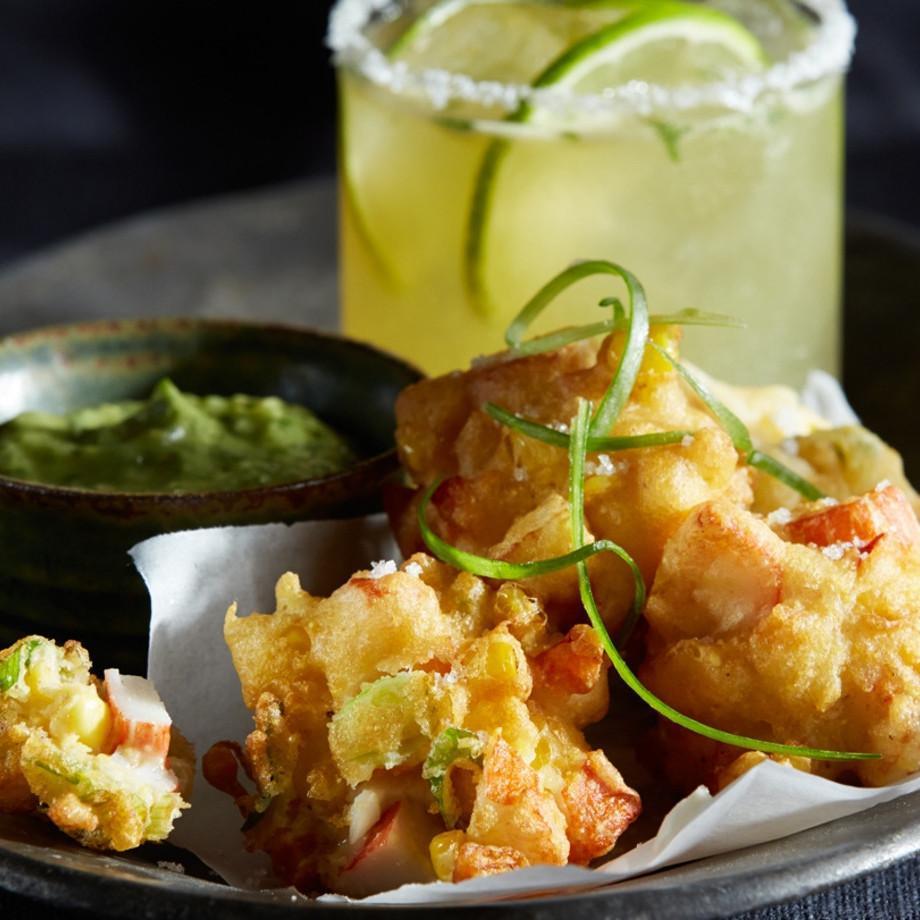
(194, 576)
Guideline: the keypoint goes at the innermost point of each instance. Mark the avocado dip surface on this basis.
(173, 442)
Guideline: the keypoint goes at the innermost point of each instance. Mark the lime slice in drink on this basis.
(521, 187)
(511, 41)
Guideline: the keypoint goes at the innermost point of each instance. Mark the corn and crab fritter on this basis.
(806, 632)
(419, 724)
(98, 758)
(505, 495)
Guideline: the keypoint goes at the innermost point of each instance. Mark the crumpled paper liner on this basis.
(194, 576)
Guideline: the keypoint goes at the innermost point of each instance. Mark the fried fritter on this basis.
(504, 495)
(418, 724)
(806, 633)
(96, 757)
(841, 461)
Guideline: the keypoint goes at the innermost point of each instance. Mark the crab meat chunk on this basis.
(140, 721)
(862, 521)
(394, 852)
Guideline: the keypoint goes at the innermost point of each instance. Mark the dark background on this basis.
(109, 107)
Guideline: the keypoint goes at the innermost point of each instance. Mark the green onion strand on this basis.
(734, 427)
(627, 372)
(576, 492)
(772, 467)
(557, 438)
(741, 437)
(496, 568)
(693, 317)
(636, 326)
(549, 292)
(577, 450)
(551, 341)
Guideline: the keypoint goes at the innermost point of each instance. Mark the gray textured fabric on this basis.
(892, 895)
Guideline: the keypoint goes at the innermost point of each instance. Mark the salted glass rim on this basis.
(827, 54)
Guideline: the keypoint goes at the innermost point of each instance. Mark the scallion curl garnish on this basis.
(741, 437)
(557, 438)
(551, 341)
(772, 467)
(577, 452)
(516, 571)
(514, 336)
(635, 322)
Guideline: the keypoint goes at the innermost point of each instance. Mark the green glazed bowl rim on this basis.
(113, 501)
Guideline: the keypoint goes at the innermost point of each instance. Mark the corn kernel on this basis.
(42, 676)
(443, 852)
(85, 715)
(596, 485)
(501, 662)
(542, 754)
(667, 338)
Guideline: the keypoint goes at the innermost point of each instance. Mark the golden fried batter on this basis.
(504, 495)
(418, 723)
(807, 633)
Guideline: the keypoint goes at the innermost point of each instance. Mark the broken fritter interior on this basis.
(99, 758)
(418, 724)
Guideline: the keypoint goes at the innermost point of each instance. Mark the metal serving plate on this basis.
(273, 255)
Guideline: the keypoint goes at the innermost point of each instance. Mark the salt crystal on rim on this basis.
(829, 52)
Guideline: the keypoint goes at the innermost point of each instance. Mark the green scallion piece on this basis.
(734, 427)
(577, 450)
(551, 341)
(554, 340)
(772, 467)
(560, 439)
(624, 379)
(693, 317)
(514, 335)
(576, 492)
(741, 437)
(496, 568)
(636, 326)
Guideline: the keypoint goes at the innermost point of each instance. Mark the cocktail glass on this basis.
(719, 185)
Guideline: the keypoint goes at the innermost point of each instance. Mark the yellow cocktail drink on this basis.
(486, 145)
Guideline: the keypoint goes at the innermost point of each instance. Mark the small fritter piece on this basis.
(841, 461)
(807, 633)
(418, 724)
(504, 494)
(96, 757)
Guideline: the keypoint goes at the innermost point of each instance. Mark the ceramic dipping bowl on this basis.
(64, 567)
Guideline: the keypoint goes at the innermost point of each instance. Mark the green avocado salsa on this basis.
(173, 442)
